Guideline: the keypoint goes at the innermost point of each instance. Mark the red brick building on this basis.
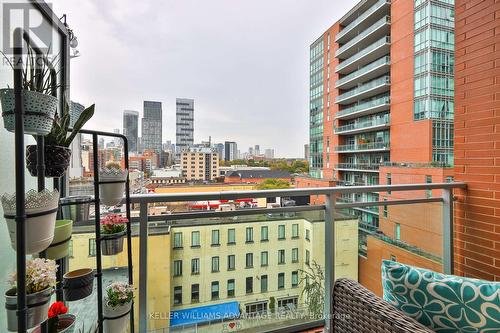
(256, 176)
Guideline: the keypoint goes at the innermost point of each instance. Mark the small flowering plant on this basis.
(56, 309)
(119, 293)
(40, 275)
(113, 223)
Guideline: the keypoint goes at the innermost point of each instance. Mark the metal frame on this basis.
(330, 208)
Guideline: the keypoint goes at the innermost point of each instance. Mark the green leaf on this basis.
(84, 117)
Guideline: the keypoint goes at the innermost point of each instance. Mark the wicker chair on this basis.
(358, 310)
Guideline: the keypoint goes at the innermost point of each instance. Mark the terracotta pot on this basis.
(112, 243)
(57, 159)
(39, 111)
(59, 248)
(38, 305)
(117, 318)
(78, 284)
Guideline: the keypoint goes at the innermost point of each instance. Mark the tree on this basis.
(273, 184)
(314, 289)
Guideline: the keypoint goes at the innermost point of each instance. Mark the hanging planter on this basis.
(112, 185)
(40, 282)
(66, 324)
(112, 233)
(57, 159)
(117, 307)
(39, 110)
(59, 248)
(76, 208)
(41, 210)
(78, 284)
(59, 320)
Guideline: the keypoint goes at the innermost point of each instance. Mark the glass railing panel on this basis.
(363, 146)
(364, 87)
(385, 99)
(360, 18)
(358, 166)
(365, 69)
(363, 52)
(363, 124)
(384, 20)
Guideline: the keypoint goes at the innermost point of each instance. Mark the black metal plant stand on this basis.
(20, 215)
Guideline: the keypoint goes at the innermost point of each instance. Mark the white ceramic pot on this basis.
(118, 318)
(41, 211)
(38, 305)
(112, 185)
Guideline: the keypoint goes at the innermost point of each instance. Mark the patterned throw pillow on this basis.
(444, 303)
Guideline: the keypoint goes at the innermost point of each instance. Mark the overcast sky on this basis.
(244, 62)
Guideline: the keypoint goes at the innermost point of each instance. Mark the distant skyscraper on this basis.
(151, 126)
(306, 151)
(230, 151)
(131, 129)
(220, 150)
(184, 133)
(269, 153)
(256, 150)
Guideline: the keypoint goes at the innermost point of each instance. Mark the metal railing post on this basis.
(447, 231)
(329, 260)
(143, 268)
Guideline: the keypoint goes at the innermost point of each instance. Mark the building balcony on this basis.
(364, 108)
(361, 167)
(369, 54)
(370, 35)
(363, 21)
(374, 124)
(364, 147)
(366, 90)
(368, 72)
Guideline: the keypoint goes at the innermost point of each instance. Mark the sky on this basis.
(244, 62)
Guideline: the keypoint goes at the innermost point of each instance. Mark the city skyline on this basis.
(231, 95)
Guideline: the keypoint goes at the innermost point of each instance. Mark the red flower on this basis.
(56, 309)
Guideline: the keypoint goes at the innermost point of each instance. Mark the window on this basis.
(397, 231)
(195, 239)
(389, 181)
(264, 234)
(295, 279)
(263, 283)
(281, 232)
(249, 260)
(295, 255)
(255, 308)
(231, 262)
(215, 264)
(249, 235)
(281, 256)
(428, 180)
(308, 258)
(215, 290)
(264, 258)
(195, 266)
(386, 213)
(231, 236)
(195, 293)
(249, 285)
(92, 247)
(295, 231)
(177, 267)
(215, 238)
(288, 303)
(307, 234)
(230, 288)
(393, 257)
(177, 240)
(281, 280)
(178, 295)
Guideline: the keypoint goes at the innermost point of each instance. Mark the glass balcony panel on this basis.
(383, 80)
(358, 166)
(363, 70)
(362, 53)
(376, 121)
(360, 18)
(363, 147)
(365, 105)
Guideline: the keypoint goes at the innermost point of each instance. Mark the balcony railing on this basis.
(384, 61)
(361, 18)
(370, 85)
(362, 125)
(377, 25)
(358, 166)
(365, 107)
(367, 50)
(375, 146)
(332, 203)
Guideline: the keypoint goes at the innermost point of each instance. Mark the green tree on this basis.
(314, 289)
(273, 184)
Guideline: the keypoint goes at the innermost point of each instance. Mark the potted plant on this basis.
(59, 320)
(112, 232)
(117, 305)
(39, 104)
(40, 283)
(59, 248)
(57, 151)
(78, 284)
(112, 183)
(41, 210)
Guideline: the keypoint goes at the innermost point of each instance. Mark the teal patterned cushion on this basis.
(444, 303)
